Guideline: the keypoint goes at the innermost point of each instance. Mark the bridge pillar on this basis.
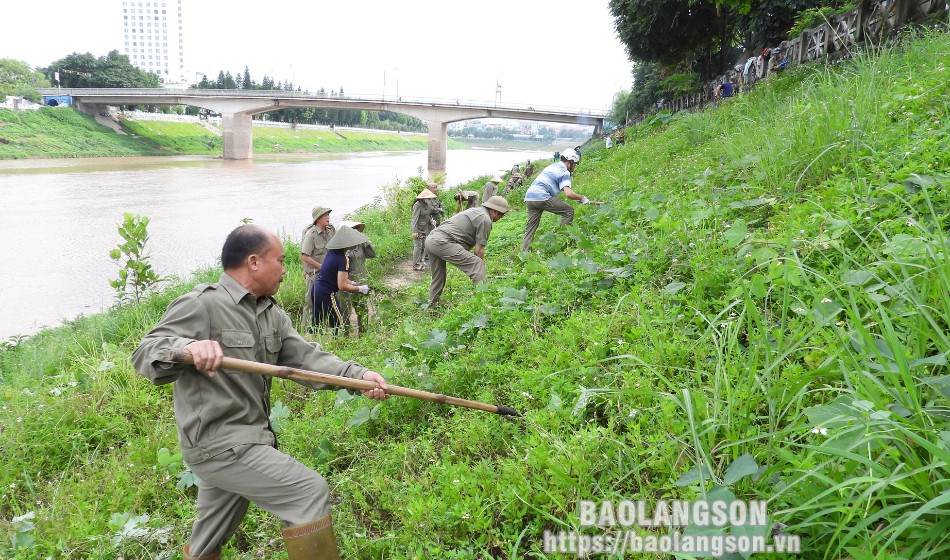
(437, 139)
(237, 135)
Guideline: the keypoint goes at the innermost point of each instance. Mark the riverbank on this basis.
(56, 132)
(62, 132)
(759, 312)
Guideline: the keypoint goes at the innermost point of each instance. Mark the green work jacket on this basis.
(468, 228)
(232, 408)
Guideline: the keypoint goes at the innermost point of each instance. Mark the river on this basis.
(58, 218)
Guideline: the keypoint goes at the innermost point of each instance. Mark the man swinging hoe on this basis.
(220, 345)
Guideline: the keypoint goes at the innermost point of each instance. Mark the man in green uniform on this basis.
(491, 187)
(453, 242)
(469, 198)
(222, 415)
(357, 303)
(313, 248)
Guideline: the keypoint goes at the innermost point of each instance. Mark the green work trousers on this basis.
(308, 298)
(441, 250)
(355, 303)
(276, 482)
(419, 251)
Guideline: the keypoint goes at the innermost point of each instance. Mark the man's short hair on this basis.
(243, 241)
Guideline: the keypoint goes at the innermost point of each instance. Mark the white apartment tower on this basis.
(153, 38)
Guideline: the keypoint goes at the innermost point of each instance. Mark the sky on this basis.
(550, 53)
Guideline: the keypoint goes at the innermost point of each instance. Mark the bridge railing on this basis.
(258, 94)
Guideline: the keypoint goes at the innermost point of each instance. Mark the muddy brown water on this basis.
(58, 217)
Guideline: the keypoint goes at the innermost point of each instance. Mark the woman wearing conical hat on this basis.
(422, 224)
(491, 187)
(334, 276)
(357, 302)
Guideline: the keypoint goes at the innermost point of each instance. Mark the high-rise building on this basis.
(153, 36)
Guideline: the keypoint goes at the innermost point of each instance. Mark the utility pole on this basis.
(497, 91)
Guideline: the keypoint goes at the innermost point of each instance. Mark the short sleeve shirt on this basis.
(314, 244)
(468, 228)
(489, 190)
(336, 261)
(550, 182)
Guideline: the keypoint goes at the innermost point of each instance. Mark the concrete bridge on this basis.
(237, 106)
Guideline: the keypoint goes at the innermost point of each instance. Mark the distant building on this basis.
(154, 38)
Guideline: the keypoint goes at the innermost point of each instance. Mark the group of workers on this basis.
(334, 264)
(461, 240)
(222, 414)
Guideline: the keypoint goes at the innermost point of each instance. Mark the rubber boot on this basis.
(213, 556)
(311, 541)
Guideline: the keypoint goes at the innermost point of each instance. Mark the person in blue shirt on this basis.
(727, 89)
(542, 195)
(335, 276)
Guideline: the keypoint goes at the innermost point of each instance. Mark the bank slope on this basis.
(63, 132)
(760, 311)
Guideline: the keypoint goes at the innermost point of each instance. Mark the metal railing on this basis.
(259, 94)
(871, 22)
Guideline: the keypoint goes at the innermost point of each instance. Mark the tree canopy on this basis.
(675, 44)
(111, 71)
(17, 78)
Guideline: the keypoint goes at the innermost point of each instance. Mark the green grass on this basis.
(767, 290)
(175, 137)
(63, 132)
(60, 132)
(303, 140)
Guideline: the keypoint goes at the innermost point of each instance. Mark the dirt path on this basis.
(402, 275)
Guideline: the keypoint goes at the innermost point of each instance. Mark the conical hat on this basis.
(353, 224)
(346, 237)
(426, 193)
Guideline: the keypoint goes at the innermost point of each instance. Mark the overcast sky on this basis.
(552, 53)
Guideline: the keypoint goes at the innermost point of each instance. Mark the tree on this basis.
(17, 78)
(768, 22)
(675, 32)
(115, 71)
(111, 71)
(701, 35)
(84, 63)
